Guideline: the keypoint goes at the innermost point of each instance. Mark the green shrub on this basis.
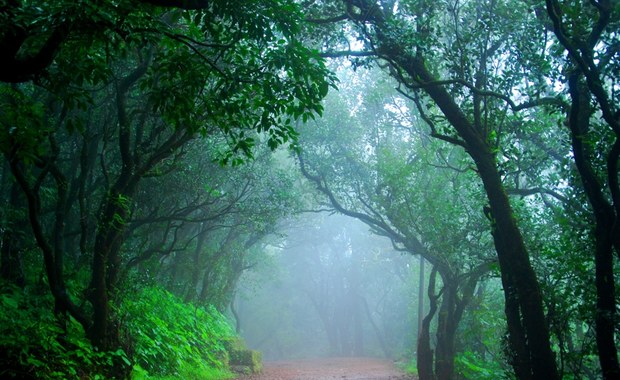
(242, 359)
(471, 366)
(33, 346)
(185, 373)
(173, 338)
(411, 368)
(170, 339)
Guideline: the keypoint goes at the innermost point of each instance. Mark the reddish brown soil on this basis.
(330, 369)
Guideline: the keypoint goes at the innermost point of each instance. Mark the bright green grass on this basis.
(409, 367)
(186, 373)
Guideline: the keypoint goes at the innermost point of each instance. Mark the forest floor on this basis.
(330, 369)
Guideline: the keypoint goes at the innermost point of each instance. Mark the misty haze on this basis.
(309, 190)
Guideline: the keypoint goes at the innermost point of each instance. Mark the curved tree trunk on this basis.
(586, 84)
(450, 315)
(517, 273)
(425, 352)
(105, 330)
(524, 306)
(52, 247)
(605, 219)
(446, 332)
(421, 295)
(233, 311)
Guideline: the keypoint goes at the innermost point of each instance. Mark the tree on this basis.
(462, 58)
(373, 163)
(200, 240)
(88, 132)
(588, 33)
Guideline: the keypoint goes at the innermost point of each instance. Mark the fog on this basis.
(332, 288)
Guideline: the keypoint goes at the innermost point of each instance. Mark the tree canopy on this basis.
(143, 157)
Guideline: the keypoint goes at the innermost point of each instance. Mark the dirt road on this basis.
(330, 369)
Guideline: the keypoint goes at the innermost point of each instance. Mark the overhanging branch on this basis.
(538, 190)
(181, 4)
(347, 53)
(329, 20)
(513, 106)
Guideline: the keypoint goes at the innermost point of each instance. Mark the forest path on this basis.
(330, 369)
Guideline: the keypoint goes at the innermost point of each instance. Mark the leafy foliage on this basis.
(472, 366)
(178, 340)
(104, 95)
(107, 98)
(35, 346)
(176, 336)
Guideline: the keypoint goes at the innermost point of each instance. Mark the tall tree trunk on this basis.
(49, 245)
(517, 272)
(11, 266)
(523, 299)
(358, 331)
(604, 215)
(425, 352)
(197, 268)
(450, 315)
(233, 311)
(356, 301)
(446, 331)
(587, 83)
(112, 222)
(380, 337)
(518, 276)
(421, 295)
(217, 262)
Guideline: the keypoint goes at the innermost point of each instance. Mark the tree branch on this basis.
(538, 190)
(17, 70)
(347, 53)
(328, 20)
(181, 4)
(56, 285)
(430, 122)
(513, 106)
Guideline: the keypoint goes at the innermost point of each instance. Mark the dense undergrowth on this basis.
(165, 339)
